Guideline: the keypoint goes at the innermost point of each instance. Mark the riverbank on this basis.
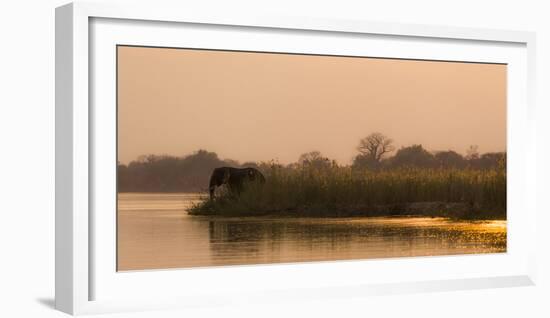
(453, 210)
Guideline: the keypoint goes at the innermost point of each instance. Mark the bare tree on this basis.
(375, 146)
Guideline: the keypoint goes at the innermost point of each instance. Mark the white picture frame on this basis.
(85, 280)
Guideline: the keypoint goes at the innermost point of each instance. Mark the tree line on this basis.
(190, 173)
(374, 153)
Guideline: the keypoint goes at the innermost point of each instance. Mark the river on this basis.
(155, 232)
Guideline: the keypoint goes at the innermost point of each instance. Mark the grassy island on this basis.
(342, 191)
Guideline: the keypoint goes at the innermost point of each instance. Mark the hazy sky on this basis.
(262, 106)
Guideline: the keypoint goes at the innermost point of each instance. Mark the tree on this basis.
(449, 159)
(361, 161)
(490, 160)
(314, 159)
(375, 146)
(163, 173)
(413, 156)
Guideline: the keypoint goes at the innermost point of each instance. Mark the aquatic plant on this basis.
(344, 191)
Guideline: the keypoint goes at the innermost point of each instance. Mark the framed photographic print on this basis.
(210, 159)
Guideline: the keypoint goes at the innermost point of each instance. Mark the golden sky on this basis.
(263, 106)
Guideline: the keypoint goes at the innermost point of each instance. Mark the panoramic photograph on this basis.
(242, 158)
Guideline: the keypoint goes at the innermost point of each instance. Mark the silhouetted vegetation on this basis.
(419, 157)
(154, 173)
(411, 181)
(335, 191)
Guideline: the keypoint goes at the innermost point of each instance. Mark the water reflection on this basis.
(155, 232)
(288, 240)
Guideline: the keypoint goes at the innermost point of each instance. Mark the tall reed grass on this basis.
(343, 191)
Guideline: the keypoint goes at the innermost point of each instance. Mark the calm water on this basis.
(154, 231)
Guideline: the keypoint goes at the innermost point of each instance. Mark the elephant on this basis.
(234, 178)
